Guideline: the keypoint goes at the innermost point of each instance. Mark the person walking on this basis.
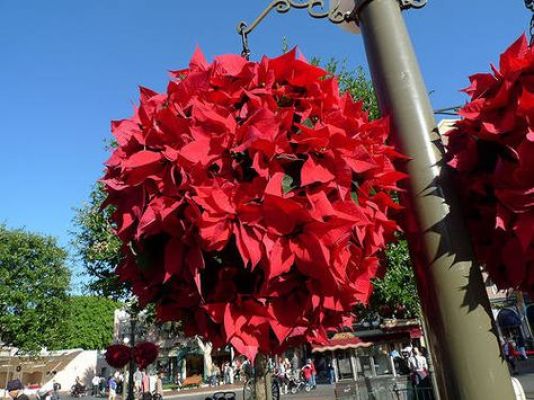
(112, 388)
(419, 374)
(281, 376)
(314, 373)
(145, 386)
(520, 343)
(138, 380)
(507, 349)
(308, 372)
(159, 387)
(228, 373)
(95, 382)
(15, 390)
(331, 373)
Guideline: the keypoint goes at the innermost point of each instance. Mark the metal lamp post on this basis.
(461, 329)
(132, 310)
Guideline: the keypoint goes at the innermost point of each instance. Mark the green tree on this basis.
(34, 282)
(354, 82)
(396, 293)
(98, 248)
(89, 323)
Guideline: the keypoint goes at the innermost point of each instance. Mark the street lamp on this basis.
(131, 309)
(462, 332)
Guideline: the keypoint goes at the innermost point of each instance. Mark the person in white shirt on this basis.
(138, 379)
(95, 382)
(418, 366)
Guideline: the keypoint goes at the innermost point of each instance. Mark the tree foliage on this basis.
(97, 247)
(89, 323)
(396, 293)
(34, 282)
(354, 82)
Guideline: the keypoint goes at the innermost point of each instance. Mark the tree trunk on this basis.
(263, 379)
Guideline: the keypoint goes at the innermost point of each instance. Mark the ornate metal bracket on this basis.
(405, 4)
(316, 9)
(530, 5)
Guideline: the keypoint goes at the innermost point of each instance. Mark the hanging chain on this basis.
(530, 5)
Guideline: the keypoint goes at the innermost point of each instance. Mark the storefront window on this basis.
(343, 365)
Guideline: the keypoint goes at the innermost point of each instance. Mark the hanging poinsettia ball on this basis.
(492, 152)
(145, 353)
(253, 201)
(118, 355)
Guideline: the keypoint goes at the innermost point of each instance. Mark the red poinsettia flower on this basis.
(253, 201)
(118, 355)
(491, 150)
(144, 354)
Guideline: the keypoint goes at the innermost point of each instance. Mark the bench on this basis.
(192, 381)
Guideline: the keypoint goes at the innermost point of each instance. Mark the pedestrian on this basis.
(228, 373)
(95, 382)
(56, 386)
(216, 375)
(145, 386)
(308, 372)
(159, 386)
(138, 379)
(507, 350)
(331, 373)
(119, 378)
(112, 388)
(520, 342)
(314, 373)
(419, 373)
(15, 390)
(245, 370)
(102, 386)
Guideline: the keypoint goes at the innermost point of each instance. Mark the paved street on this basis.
(323, 392)
(527, 381)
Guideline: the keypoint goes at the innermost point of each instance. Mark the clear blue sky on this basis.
(68, 67)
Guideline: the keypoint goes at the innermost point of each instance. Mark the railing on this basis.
(385, 390)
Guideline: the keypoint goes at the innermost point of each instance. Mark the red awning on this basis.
(340, 344)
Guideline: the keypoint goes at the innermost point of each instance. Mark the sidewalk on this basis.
(527, 381)
(203, 390)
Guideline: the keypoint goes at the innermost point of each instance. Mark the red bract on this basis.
(492, 151)
(118, 355)
(253, 201)
(144, 354)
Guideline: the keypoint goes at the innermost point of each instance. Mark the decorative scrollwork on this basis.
(316, 9)
(529, 4)
(405, 4)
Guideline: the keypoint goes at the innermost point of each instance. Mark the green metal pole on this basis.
(461, 330)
